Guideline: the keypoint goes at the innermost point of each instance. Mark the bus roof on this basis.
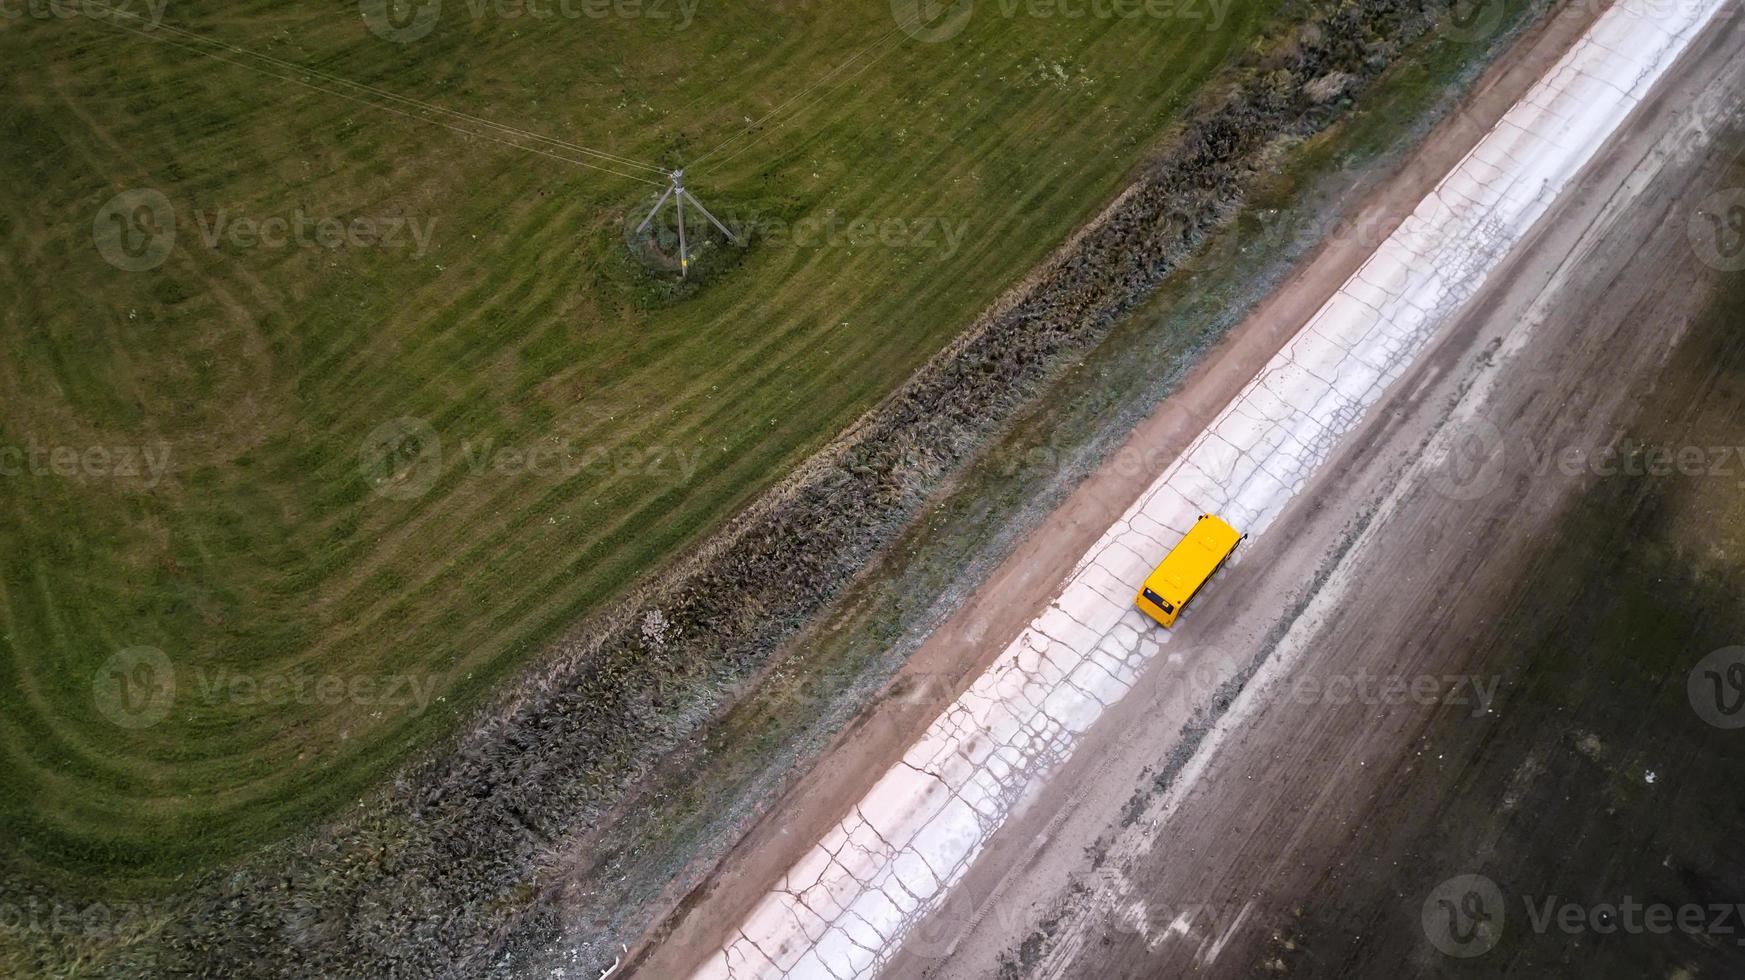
(1194, 560)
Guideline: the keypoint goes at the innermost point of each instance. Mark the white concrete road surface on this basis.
(847, 907)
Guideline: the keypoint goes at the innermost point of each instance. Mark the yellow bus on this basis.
(1181, 573)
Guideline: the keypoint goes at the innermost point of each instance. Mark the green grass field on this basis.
(319, 631)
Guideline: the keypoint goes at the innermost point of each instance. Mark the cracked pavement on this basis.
(846, 908)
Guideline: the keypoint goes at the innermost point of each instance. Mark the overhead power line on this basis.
(754, 127)
(600, 156)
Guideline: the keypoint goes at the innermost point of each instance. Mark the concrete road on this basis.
(1306, 829)
(1029, 899)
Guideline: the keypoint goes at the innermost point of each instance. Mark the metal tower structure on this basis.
(679, 195)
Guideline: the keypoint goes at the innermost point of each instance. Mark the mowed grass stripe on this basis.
(267, 550)
(540, 592)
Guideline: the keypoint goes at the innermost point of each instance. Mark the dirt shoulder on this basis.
(1027, 580)
(1308, 833)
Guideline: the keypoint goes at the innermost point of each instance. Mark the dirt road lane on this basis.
(1402, 732)
(959, 651)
